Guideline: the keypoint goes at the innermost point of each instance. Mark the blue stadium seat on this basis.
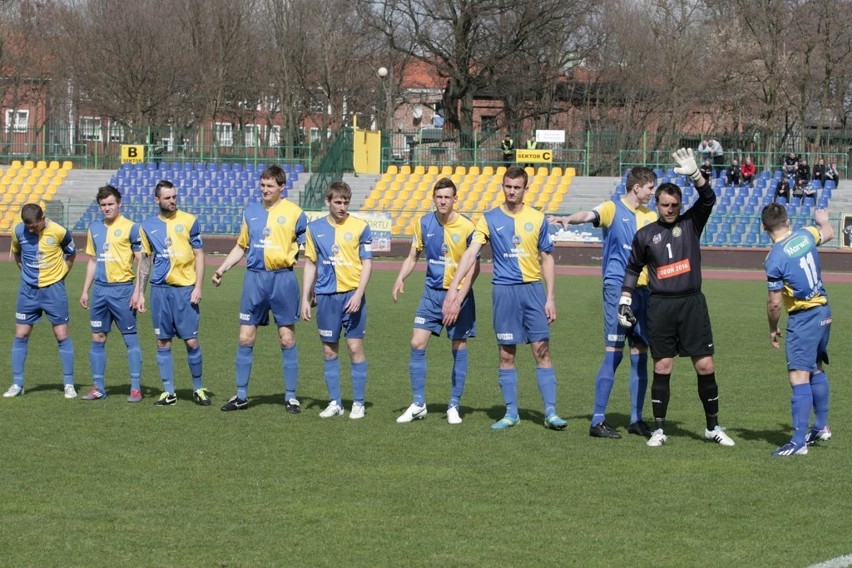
(808, 201)
(299, 168)
(829, 184)
(751, 240)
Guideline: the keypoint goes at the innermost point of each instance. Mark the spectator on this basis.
(712, 150)
(803, 171)
(748, 171)
(507, 146)
(531, 145)
(819, 171)
(782, 190)
(791, 162)
(706, 170)
(831, 173)
(733, 173)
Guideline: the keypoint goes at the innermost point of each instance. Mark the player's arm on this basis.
(826, 229)
(195, 297)
(577, 218)
(635, 264)
(773, 314)
(143, 274)
(236, 255)
(452, 301)
(17, 256)
(469, 279)
(354, 303)
(405, 271)
(548, 272)
(309, 278)
(87, 282)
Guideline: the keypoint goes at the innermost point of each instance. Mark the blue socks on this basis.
(820, 392)
(167, 372)
(331, 373)
(546, 378)
(134, 360)
(193, 357)
(359, 381)
(459, 376)
(245, 359)
(417, 372)
(66, 355)
(19, 357)
(290, 368)
(97, 361)
(508, 381)
(603, 384)
(801, 403)
(638, 385)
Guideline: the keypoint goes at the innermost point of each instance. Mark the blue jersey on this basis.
(271, 237)
(620, 222)
(444, 246)
(516, 241)
(113, 247)
(43, 253)
(338, 251)
(792, 267)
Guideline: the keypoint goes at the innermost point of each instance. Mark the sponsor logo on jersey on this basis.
(117, 232)
(658, 238)
(797, 246)
(516, 240)
(50, 240)
(455, 237)
(281, 220)
(178, 228)
(528, 227)
(347, 236)
(674, 269)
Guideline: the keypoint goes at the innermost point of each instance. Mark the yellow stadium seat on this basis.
(488, 171)
(419, 170)
(542, 171)
(29, 164)
(8, 197)
(21, 197)
(41, 165)
(570, 172)
(446, 171)
(16, 164)
(500, 171)
(473, 170)
(433, 170)
(460, 170)
(53, 165)
(392, 169)
(530, 171)
(67, 165)
(556, 171)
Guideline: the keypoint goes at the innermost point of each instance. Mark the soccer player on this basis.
(269, 236)
(793, 275)
(620, 220)
(174, 262)
(523, 309)
(44, 252)
(678, 320)
(444, 235)
(113, 245)
(338, 261)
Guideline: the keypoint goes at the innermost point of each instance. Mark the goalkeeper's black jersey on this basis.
(672, 251)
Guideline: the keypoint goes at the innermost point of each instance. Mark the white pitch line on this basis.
(839, 562)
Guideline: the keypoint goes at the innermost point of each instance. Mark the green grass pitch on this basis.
(109, 483)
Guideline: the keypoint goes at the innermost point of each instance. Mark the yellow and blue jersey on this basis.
(444, 246)
(619, 222)
(338, 251)
(516, 241)
(171, 242)
(113, 247)
(793, 267)
(271, 237)
(42, 254)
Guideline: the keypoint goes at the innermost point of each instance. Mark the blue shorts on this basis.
(173, 314)
(269, 290)
(614, 333)
(807, 338)
(331, 317)
(429, 315)
(111, 303)
(51, 300)
(519, 313)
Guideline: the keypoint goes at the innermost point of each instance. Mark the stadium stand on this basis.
(406, 192)
(28, 182)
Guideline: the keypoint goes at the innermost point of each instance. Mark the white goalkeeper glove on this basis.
(625, 312)
(686, 164)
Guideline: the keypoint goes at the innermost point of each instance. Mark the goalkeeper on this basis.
(678, 320)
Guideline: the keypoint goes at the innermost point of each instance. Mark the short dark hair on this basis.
(276, 173)
(31, 212)
(443, 183)
(640, 175)
(338, 187)
(161, 184)
(773, 216)
(669, 189)
(515, 172)
(106, 191)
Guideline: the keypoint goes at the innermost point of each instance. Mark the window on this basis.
(17, 120)
(489, 124)
(252, 134)
(274, 136)
(90, 128)
(116, 132)
(224, 133)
